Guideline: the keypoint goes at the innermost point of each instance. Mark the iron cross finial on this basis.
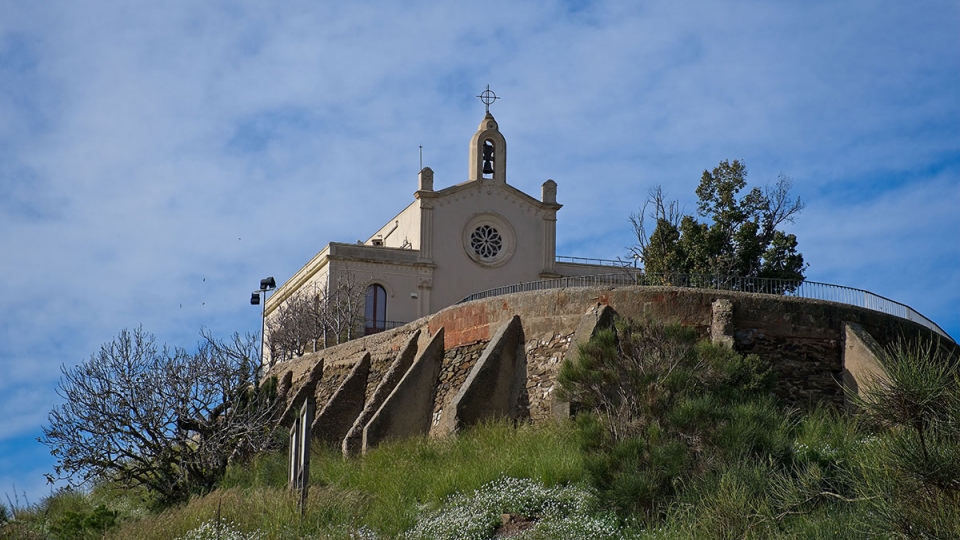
(488, 97)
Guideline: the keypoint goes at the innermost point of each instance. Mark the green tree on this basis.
(742, 236)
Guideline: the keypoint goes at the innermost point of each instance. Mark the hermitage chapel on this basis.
(499, 355)
(448, 243)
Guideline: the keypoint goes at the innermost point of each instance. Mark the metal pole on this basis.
(263, 322)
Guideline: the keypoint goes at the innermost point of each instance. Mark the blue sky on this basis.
(158, 158)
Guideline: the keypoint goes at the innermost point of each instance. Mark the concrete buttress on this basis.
(406, 411)
(353, 441)
(492, 389)
(861, 364)
(308, 388)
(341, 410)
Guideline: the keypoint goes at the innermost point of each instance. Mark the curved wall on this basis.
(803, 338)
(808, 342)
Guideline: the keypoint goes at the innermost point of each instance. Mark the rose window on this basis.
(486, 242)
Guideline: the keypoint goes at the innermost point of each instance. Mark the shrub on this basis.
(636, 374)
(557, 512)
(909, 476)
(662, 407)
(732, 503)
(80, 525)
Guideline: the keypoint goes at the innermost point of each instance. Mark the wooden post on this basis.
(300, 437)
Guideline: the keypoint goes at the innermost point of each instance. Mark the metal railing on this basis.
(783, 287)
(598, 262)
(375, 327)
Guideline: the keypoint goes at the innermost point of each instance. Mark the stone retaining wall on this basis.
(802, 338)
(457, 363)
(544, 357)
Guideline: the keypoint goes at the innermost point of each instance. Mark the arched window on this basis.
(375, 311)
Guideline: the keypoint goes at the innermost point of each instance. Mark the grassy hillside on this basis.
(442, 488)
(678, 439)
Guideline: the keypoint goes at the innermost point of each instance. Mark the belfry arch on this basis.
(488, 152)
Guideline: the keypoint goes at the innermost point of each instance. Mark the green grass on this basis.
(385, 491)
(408, 474)
(713, 457)
(755, 489)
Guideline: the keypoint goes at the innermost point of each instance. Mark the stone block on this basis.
(721, 328)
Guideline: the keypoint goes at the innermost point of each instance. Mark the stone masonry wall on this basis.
(340, 359)
(543, 364)
(802, 338)
(457, 363)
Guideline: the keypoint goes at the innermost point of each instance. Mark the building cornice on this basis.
(298, 280)
(337, 251)
(507, 188)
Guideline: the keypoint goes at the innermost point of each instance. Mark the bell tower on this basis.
(488, 148)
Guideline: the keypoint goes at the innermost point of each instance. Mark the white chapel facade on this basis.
(446, 244)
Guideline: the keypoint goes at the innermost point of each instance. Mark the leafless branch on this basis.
(658, 209)
(161, 418)
(312, 320)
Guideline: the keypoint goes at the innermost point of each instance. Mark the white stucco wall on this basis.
(457, 274)
(405, 226)
(395, 269)
(310, 276)
(426, 261)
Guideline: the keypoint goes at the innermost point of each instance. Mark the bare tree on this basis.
(346, 308)
(309, 321)
(665, 215)
(160, 417)
(296, 326)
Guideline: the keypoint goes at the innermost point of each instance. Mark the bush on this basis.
(909, 475)
(637, 374)
(80, 525)
(732, 503)
(662, 407)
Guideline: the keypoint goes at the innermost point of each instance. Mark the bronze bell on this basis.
(487, 167)
(488, 152)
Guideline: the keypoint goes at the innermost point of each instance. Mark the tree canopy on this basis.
(741, 237)
(161, 417)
